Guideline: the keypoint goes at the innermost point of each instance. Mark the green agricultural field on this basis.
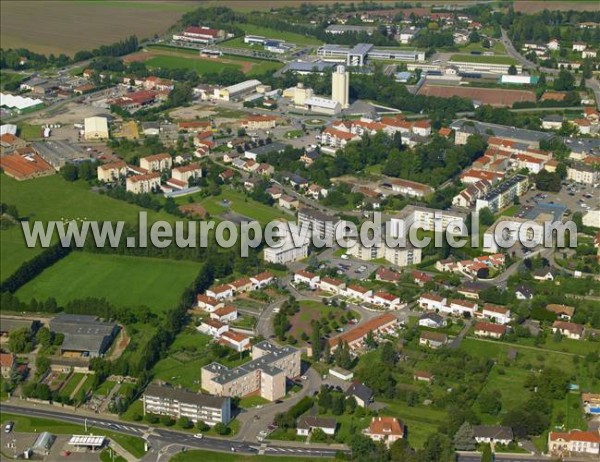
(14, 252)
(123, 280)
(291, 37)
(483, 59)
(201, 66)
(52, 198)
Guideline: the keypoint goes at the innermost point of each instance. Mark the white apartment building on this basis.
(146, 183)
(265, 375)
(178, 402)
(112, 171)
(583, 173)
(157, 162)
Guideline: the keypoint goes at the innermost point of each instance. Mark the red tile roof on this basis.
(386, 426)
(361, 330)
(489, 327)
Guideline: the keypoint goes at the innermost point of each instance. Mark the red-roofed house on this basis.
(336, 138)
(203, 35)
(487, 329)
(220, 292)
(227, 314)
(568, 329)
(574, 443)
(213, 327)
(8, 363)
(259, 122)
(385, 429)
(358, 292)
(207, 303)
(262, 279)
(332, 285)
(421, 278)
(432, 302)
(386, 275)
(239, 342)
(306, 277)
(499, 314)
(387, 300)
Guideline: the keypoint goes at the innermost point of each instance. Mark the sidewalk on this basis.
(122, 452)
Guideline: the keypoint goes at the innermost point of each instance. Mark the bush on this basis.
(152, 418)
(167, 420)
(202, 426)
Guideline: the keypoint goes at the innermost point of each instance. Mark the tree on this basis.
(69, 172)
(166, 420)
(490, 402)
(512, 70)
(220, 428)
(486, 216)
(486, 455)
(44, 337)
(438, 447)
(202, 426)
(318, 436)
(185, 423)
(316, 341)
(564, 81)
(351, 405)
(362, 447)
(464, 439)
(370, 340)
(548, 181)
(19, 341)
(388, 354)
(337, 404)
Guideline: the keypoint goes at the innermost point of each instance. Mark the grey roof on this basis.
(525, 290)
(544, 271)
(307, 422)
(83, 332)
(361, 49)
(267, 148)
(553, 118)
(360, 391)
(496, 432)
(349, 28)
(433, 317)
(185, 396)
(556, 210)
(502, 131)
(587, 145)
(316, 215)
(503, 187)
(43, 441)
(9, 324)
(474, 286)
(264, 363)
(318, 66)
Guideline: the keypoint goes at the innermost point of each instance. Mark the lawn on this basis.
(201, 66)
(291, 37)
(70, 386)
(252, 401)
(122, 280)
(421, 421)
(241, 205)
(30, 132)
(483, 59)
(498, 48)
(207, 456)
(105, 388)
(309, 311)
(187, 355)
(7, 77)
(133, 444)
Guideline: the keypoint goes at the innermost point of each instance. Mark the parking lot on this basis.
(575, 197)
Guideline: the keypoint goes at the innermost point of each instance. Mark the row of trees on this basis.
(13, 58)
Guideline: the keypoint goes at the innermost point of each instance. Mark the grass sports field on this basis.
(168, 57)
(124, 281)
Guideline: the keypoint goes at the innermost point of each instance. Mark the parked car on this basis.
(9, 426)
(199, 436)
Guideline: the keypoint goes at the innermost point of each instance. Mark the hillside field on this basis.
(124, 281)
(70, 26)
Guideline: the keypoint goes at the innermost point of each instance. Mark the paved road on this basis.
(510, 49)
(159, 438)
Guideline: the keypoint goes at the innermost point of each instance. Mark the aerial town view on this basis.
(300, 230)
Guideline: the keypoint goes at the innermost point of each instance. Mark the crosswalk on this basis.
(115, 426)
(291, 450)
